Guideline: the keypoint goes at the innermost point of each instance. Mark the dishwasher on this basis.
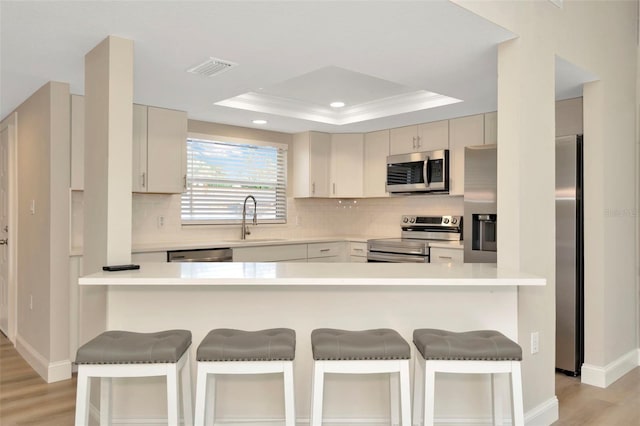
(201, 255)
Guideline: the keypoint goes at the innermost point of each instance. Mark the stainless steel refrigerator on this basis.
(569, 256)
(480, 229)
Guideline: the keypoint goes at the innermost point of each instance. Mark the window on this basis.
(221, 174)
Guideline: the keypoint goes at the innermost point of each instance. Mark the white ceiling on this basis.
(307, 52)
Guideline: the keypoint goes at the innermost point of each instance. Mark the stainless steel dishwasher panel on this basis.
(201, 255)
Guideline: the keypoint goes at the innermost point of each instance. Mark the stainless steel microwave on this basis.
(418, 172)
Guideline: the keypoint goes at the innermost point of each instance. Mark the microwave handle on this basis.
(425, 170)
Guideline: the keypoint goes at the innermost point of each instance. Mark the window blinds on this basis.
(221, 174)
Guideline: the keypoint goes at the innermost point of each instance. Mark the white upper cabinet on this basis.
(159, 150)
(423, 137)
(347, 150)
(376, 150)
(463, 132)
(311, 164)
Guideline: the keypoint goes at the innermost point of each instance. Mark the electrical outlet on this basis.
(160, 221)
(32, 208)
(31, 302)
(535, 342)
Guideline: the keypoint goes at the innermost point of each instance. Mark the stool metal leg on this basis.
(394, 398)
(405, 393)
(418, 389)
(289, 395)
(105, 401)
(516, 394)
(201, 396)
(317, 393)
(82, 397)
(172, 394)
(429, 393)
(496, 397)
(185, 383)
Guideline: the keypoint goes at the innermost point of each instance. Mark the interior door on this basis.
(4, 228)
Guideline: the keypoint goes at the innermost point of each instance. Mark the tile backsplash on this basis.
(156, 218)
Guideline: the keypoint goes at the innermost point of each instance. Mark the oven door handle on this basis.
(396, 258)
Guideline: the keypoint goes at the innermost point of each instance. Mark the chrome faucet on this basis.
(245, 231)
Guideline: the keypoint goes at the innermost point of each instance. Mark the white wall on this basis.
(599, 37)
(43, 266)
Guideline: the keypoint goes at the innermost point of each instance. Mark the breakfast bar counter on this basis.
(305, 296)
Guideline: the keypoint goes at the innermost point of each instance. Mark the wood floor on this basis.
(26, 399)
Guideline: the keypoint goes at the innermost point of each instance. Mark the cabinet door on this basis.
(433, 136)
(445, 255)
(334, 250)
(403, 140)
(464, 131)
(166, 150)
(376, 150)
(139, 149)
(279, 253)
(311, 164)
(77, 142)
(346, 164)
(319, 164)
(491, 128)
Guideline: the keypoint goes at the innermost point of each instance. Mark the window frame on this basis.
(240, 141)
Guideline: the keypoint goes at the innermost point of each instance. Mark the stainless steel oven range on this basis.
(417, 233)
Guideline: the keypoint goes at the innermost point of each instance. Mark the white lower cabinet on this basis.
(357, 252)
(279, 253)
(326, 252)
(446, 255)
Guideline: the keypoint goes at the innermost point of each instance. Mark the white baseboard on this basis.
(544, 414)
(51, 372)
(603, 376)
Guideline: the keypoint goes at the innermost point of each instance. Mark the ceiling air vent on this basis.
(211, 67)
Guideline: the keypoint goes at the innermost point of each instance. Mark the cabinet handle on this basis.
(418, 141)
(414, 142)
(334, 189)
(144, 179)
(445, 257)
(184, 181)
(313, 188)
(357, 249)
(324, 250)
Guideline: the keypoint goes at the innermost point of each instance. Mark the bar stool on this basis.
(228, 351)
(476, 352)
(128, 354)
(362, 352)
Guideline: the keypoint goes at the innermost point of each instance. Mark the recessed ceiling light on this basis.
(337, 104)
(259, 121)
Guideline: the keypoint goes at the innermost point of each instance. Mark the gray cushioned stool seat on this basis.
(126, 347)
(382, 344)
(225, 344)
(481, 345)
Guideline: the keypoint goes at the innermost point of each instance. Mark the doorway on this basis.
(8, 287)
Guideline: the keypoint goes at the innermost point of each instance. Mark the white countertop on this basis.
(314, 274)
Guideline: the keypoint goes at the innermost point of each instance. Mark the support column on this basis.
(526, 199)
(107, 171)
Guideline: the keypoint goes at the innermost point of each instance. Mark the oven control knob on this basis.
(454, 220)
(412, 220)
(405, 219)
(446, 220)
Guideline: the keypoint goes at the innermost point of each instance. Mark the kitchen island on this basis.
(304, 296)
